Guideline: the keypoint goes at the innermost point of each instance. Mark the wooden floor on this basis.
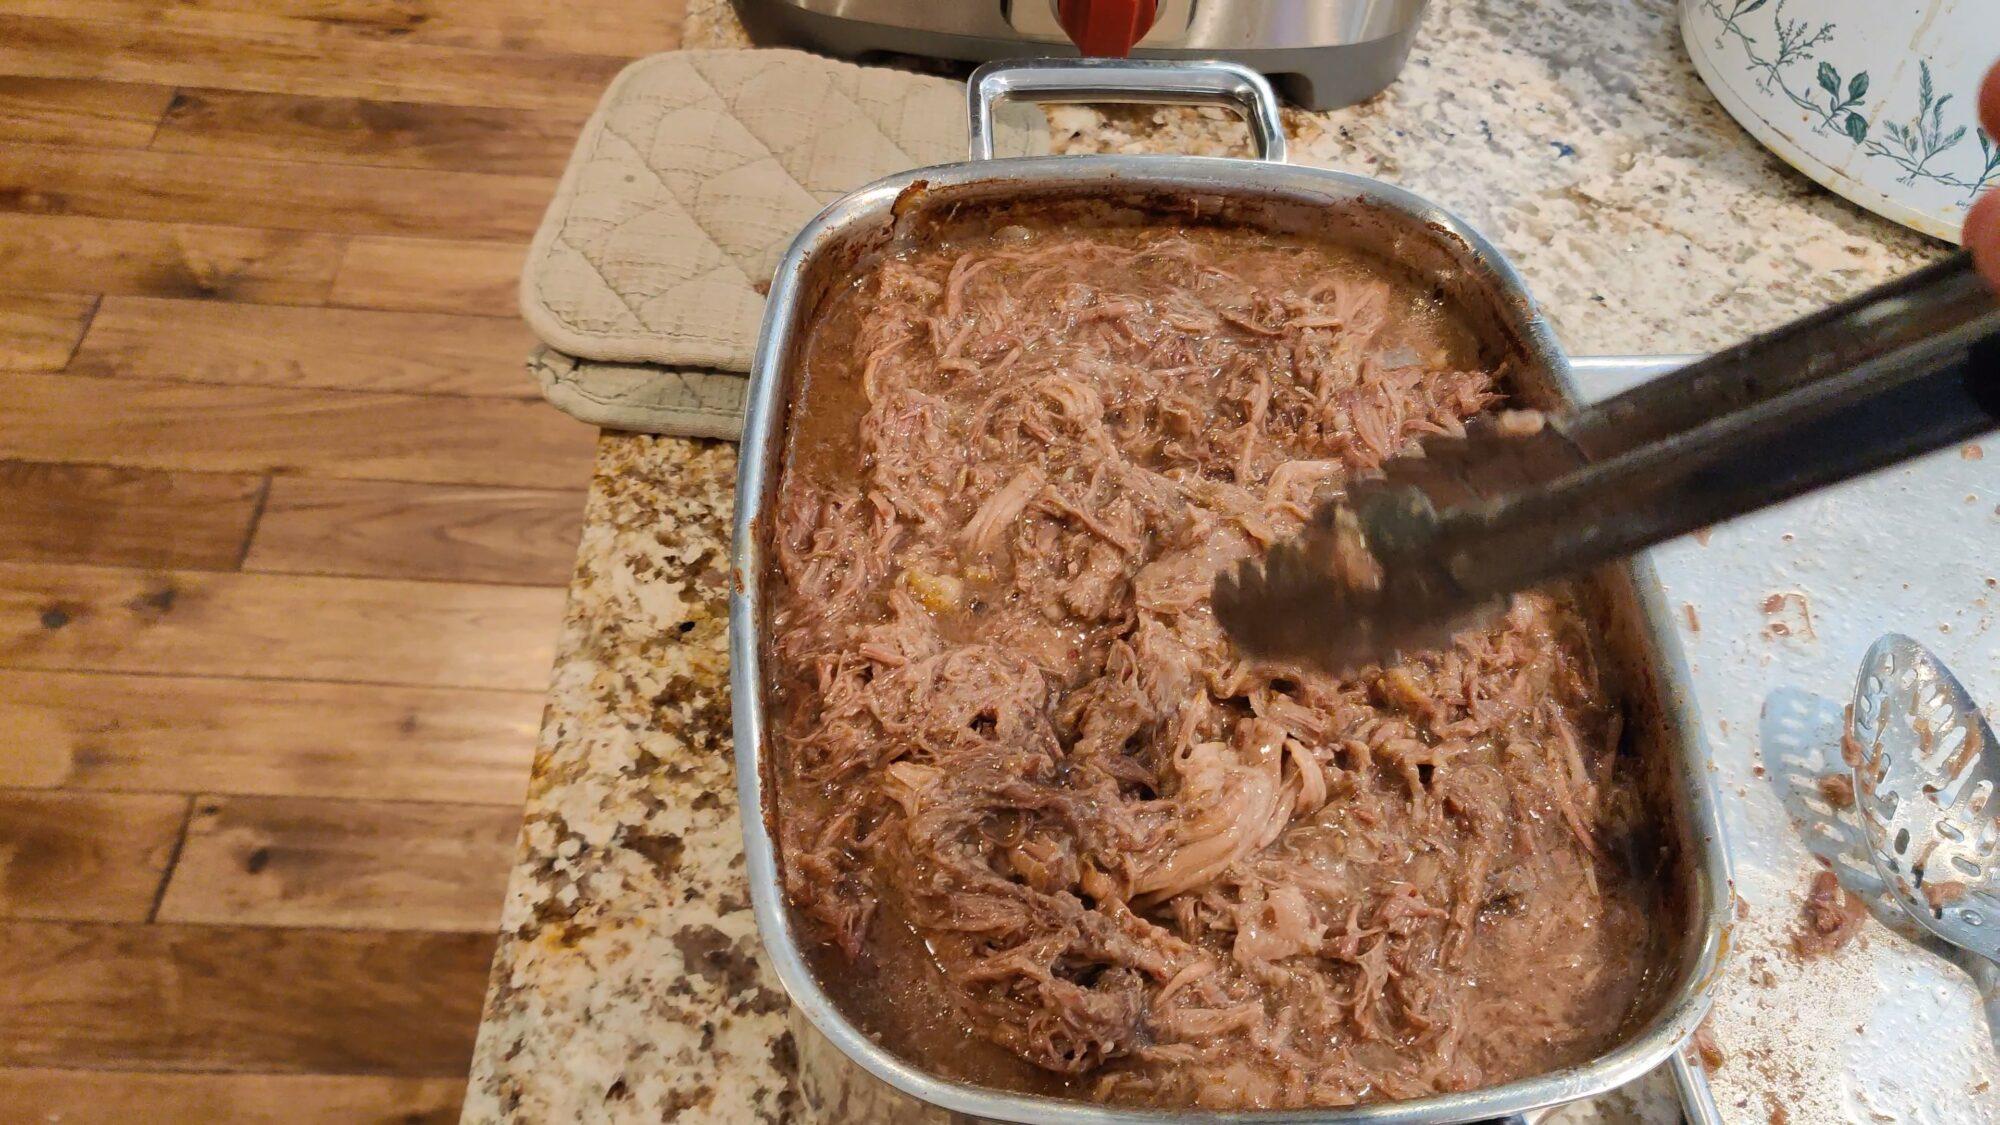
(284, 533)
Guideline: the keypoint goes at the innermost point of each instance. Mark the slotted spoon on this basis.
(1926, 779)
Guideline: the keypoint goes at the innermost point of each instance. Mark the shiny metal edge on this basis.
(1182, 24)
(1150, 82)
(866, 209)
(1629, 368)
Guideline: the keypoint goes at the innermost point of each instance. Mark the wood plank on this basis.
(124, 517)
(359, 131)
(115, 1097)
(292, 60)
(275, 738)
(428, 275)
(215, 998)
(79, 254)
(290, 861)
(276, 346)
(205, 428)
(76, 112)
(388, 529)
(38, 331)
(176, 187)
(85, 856)
(436, 634)
(612, 27)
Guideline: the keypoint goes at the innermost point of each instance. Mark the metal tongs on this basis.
(1436, 542)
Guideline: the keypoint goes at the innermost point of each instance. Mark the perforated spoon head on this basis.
(1926, 775)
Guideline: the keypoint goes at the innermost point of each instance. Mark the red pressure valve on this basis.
(1106, 28)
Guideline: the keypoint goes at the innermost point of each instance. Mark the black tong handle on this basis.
(1899, 371)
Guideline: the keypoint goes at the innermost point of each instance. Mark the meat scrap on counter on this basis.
(1054, 833)
(1831, 916)
(1837, 789)
(1706, 1048)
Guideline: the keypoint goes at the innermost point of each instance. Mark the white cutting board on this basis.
(1889, 1029)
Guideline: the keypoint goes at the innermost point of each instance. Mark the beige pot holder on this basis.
(686, 187)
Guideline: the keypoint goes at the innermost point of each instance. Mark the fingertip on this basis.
(1982, 235)
(1989, 101)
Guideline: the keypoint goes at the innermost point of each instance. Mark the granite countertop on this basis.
(629, 984)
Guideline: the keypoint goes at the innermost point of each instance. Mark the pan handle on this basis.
(1125, 80)
(1691, 1083)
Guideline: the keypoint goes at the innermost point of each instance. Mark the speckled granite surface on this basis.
(628, 984)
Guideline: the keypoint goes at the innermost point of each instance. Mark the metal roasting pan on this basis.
(1640, 640)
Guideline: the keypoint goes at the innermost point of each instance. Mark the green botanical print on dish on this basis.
(1839, 107)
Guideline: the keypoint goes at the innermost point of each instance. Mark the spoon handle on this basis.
(1986, 975)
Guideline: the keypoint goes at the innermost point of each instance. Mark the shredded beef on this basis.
(1830, 917)
(1020, 764)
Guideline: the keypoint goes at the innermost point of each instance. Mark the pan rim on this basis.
(785, 314)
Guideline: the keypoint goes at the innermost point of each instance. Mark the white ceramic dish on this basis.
(1876, 99)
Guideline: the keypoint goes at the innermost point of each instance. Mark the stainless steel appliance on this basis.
(840, 1064)
(1319, 53)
